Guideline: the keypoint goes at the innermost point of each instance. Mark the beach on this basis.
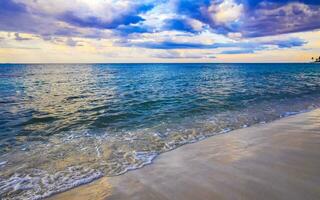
(277, 160)
(170, 100)
(68, 125)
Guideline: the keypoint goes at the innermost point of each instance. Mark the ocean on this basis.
(63, 125)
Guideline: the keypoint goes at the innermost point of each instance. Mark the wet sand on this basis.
(279, 160)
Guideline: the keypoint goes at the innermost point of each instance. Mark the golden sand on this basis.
(279, 160)
(97, 190)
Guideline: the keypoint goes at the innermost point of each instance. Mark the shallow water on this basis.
(65, 125)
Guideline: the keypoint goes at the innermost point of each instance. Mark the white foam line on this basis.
(3, 163)
(98, 151)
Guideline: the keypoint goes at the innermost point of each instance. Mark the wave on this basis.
(41, 169)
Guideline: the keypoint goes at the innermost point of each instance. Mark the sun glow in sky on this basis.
(93, 31)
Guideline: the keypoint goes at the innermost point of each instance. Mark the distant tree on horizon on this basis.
(315, 59)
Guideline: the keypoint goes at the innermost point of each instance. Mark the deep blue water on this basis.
(103, 119)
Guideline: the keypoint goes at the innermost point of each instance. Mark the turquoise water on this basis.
(67, 124)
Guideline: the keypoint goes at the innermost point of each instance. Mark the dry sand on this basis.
(279, 160)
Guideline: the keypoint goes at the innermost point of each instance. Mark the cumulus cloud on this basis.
(71, 18)
(270, 18)
(253, 18)
(226, 12)
(227, 25)
(245, 18)
(114, 14)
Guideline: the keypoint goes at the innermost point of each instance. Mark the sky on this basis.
(108, 31)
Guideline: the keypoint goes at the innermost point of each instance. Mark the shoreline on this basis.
(146, 183)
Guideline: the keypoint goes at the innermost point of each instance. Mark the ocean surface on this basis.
(64, 125)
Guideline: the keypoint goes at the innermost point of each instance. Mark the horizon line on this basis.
(57, 63)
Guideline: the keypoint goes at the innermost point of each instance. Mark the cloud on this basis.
(9, 12)
(248, 47)
(183, 24)
(254, 3)
(221, 16)
(167, 44)
(238, 51)
(72, 18)
(164, 24)
(290, 43)
(185, 55)
(9, 7)
(253, 18)
(72, 43)
(18, 17)
(278, 18)
(225, 12)
(122, 15)
(19, 38)
(125, 30)
(95, 22)
(18, 47)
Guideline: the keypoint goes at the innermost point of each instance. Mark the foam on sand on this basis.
(278, 160)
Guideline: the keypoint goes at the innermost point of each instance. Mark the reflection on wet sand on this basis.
(279, 160)
(98, 190)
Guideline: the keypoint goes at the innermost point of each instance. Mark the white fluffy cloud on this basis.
(134, 28)
(226, 12)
